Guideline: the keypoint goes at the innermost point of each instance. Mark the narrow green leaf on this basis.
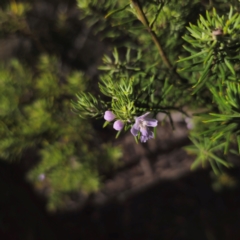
(105, 68)
(222, 72)
(203, 77)
(191, 50)
(205, 23)
(214, 168)
(193, 56)
(117, 135)
(227, 143)
(230, 13)
(218, 147)
(115, 55)
(191, 149)
(236, 22)
(233, 19)
(128, 55)
(105, 124)
(191, 69)
(208, 56)
(229, 65)
(167, 91)
(188, 38)
(195, 34)
(225, 116)
(117, 10)
(214, 12)
(107, 59)
(196, 163)
(223, 162)
(195, 142)
(208, 16)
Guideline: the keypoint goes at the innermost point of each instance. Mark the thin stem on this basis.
(156, 16)
(141, 16)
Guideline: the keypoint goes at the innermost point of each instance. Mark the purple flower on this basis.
(142, 124)
(109, 116)
(118, 125)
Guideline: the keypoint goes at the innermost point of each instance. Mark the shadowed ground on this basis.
(185, 208)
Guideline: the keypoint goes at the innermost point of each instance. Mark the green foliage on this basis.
(207, 151)
(35, 113)
(145, 79)
(135, 80)
(129, 93)
(213, 63)
(214, 48)
(12, 18)
(87, 105)
(94, 15)
(120, 22)
(71, 167)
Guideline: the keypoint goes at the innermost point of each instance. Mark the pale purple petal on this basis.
(151, 122)
(143, 116)
(143, 138)
(135, 129)
(144, 131)
(147, 132)
(118, 125)
(151, 135)
(109, 116)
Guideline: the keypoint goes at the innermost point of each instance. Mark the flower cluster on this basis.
(141, 125)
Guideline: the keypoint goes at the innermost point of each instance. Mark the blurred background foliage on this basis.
(67, 154)
(35, 113)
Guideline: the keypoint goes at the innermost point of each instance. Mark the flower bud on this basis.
(109, 116)
(118, 125)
